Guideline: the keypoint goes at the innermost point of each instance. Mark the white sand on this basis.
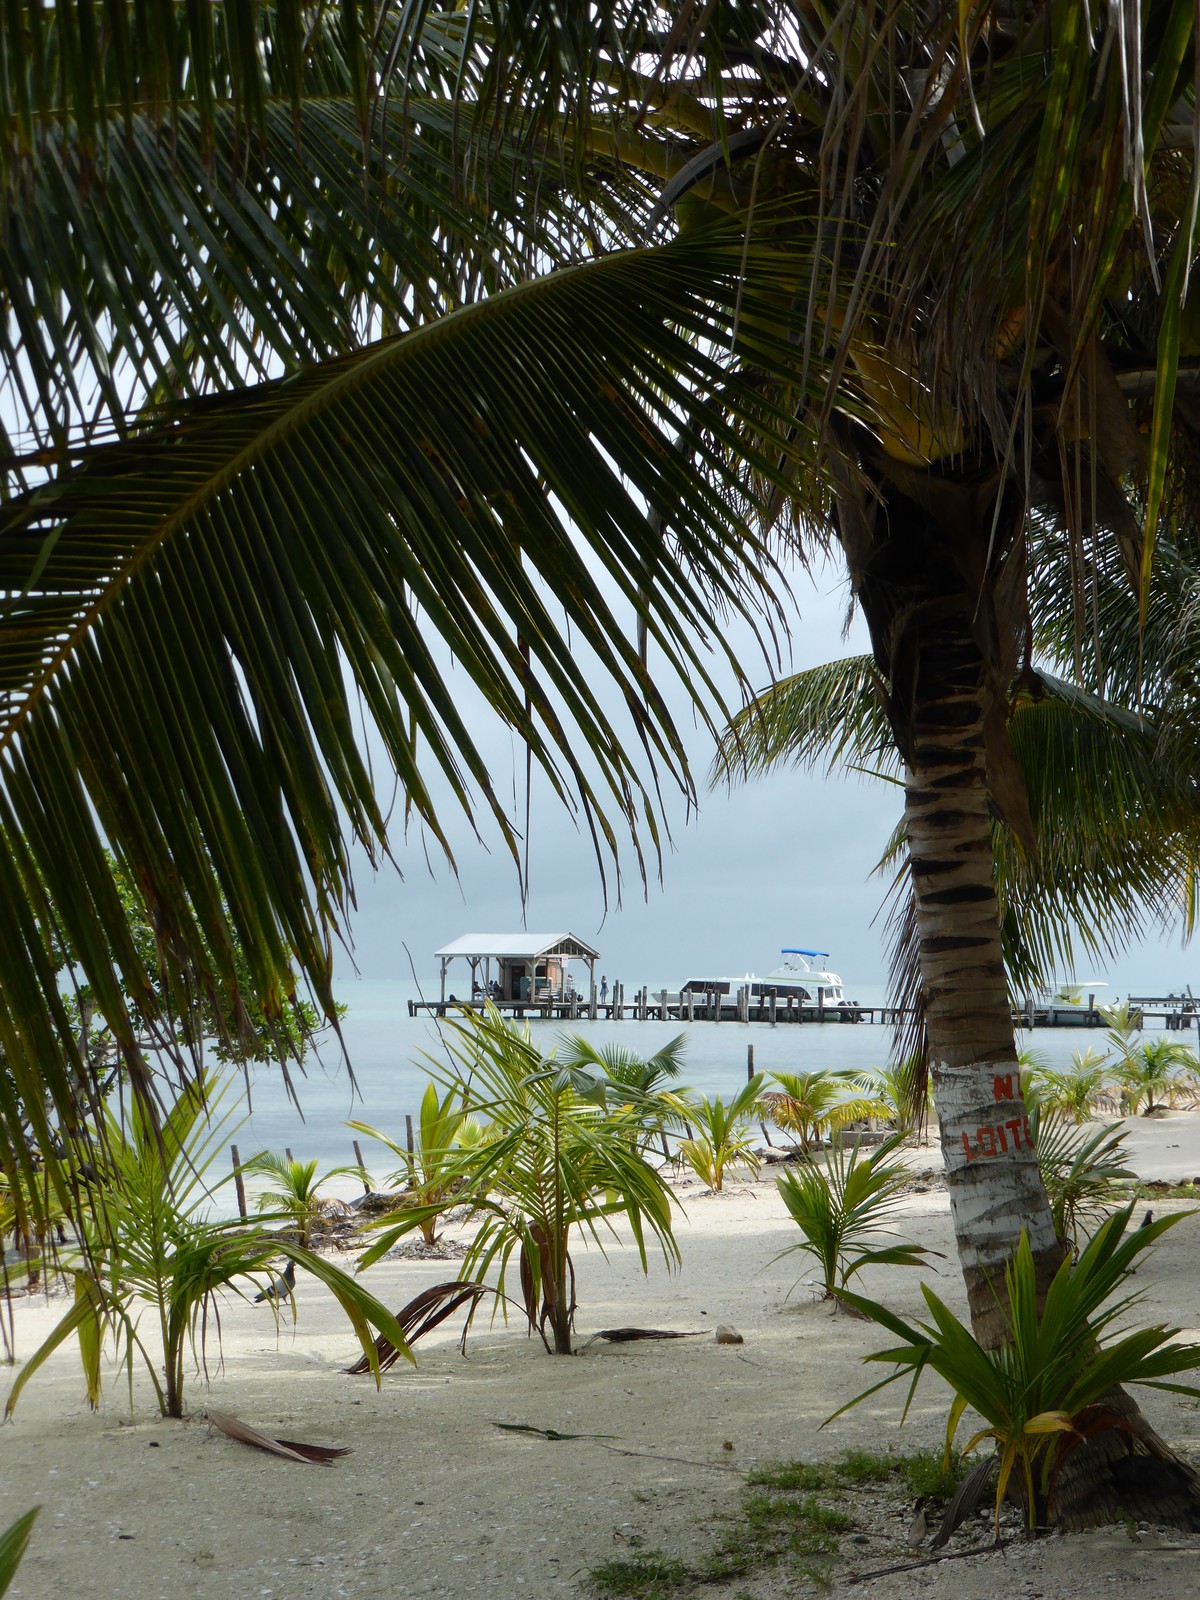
(435, 1500)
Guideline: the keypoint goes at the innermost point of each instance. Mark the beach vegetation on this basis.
(901, 1090)
(720, 1136)
(842, 1206)
(295, 1192)
(559, 1163)
(813, 1106)
(653, 1080)
(1155, 1073)
(150, 1264)
(1085, 1173)
(1079, 1089)
(430, 1173)
(925, 1474)
(14, 1541)
(952, 339)
(790, 1524)
(1051, 1385)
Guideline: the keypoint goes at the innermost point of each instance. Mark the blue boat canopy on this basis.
(793, 951)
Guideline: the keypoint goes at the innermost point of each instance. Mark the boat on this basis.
(801, 979)
(1065, 1005)
(805, 970)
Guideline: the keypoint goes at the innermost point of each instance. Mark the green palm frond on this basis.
(833, 715)
(558, 1160)
(193, 611)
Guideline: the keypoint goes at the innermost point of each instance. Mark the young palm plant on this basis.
(152, 1265)
(431, 1172)
(720, 1133)
(904, 1091)
(1077, 1089)
(1084, 1173)
(1050, 1385)
(1155, 1074)
(559, 1161)
(296, 1193)
(812, 1105)
(653, 1080)
(843, 1211)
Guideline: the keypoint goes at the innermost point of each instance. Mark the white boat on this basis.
(1068, 1004)
(802, 978)
(807, 970)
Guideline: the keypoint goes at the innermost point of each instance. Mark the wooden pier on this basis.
(666, 1005)
(1174, 1013)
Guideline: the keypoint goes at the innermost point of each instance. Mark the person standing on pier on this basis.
(603, 988)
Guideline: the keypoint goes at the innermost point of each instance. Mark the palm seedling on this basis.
(1049, 1386)
(1155, 1074)
(152, 1265)
(295, 1193)
(813, 1105)
(1076, 1090)
(1084, 1173)
(843, 1210)
(651, 1080)
(558, 1161)
(720, 1134)
(902, 1090)
(430, 1172)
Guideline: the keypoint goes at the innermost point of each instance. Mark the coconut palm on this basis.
(844, 1213)
(559, 1163)
(814, 1105)
(720, 1135)
(1154, 1074)
(295, 1193)
(1077, 1089)
(1084, 1172)
(914, 278)
(652, 1080)
(902, 1089)
(151, 1265)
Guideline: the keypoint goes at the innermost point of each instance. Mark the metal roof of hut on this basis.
(517, 946)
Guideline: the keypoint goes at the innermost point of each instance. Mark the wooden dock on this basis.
(1174, 1013)
(666, 1005)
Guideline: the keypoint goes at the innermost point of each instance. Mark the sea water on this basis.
(391, 1057)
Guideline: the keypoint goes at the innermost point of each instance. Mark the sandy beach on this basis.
(436, 1500)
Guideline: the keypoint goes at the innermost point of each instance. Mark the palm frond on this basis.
(192, 611)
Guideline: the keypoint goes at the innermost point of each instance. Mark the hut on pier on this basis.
(520, 967)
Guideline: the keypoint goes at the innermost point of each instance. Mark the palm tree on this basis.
(1157, 1067)
(915, 276)
(1077, 1089)
(561, 1161)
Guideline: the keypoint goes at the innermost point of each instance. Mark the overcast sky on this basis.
(783, 861)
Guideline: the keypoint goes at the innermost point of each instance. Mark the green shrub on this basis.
(842, 1207)
(1046, 1388)
(558, 1158)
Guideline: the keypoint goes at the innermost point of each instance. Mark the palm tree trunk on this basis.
(995, 1187)
(925, 626)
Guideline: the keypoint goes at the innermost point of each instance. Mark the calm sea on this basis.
(387, 1049)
